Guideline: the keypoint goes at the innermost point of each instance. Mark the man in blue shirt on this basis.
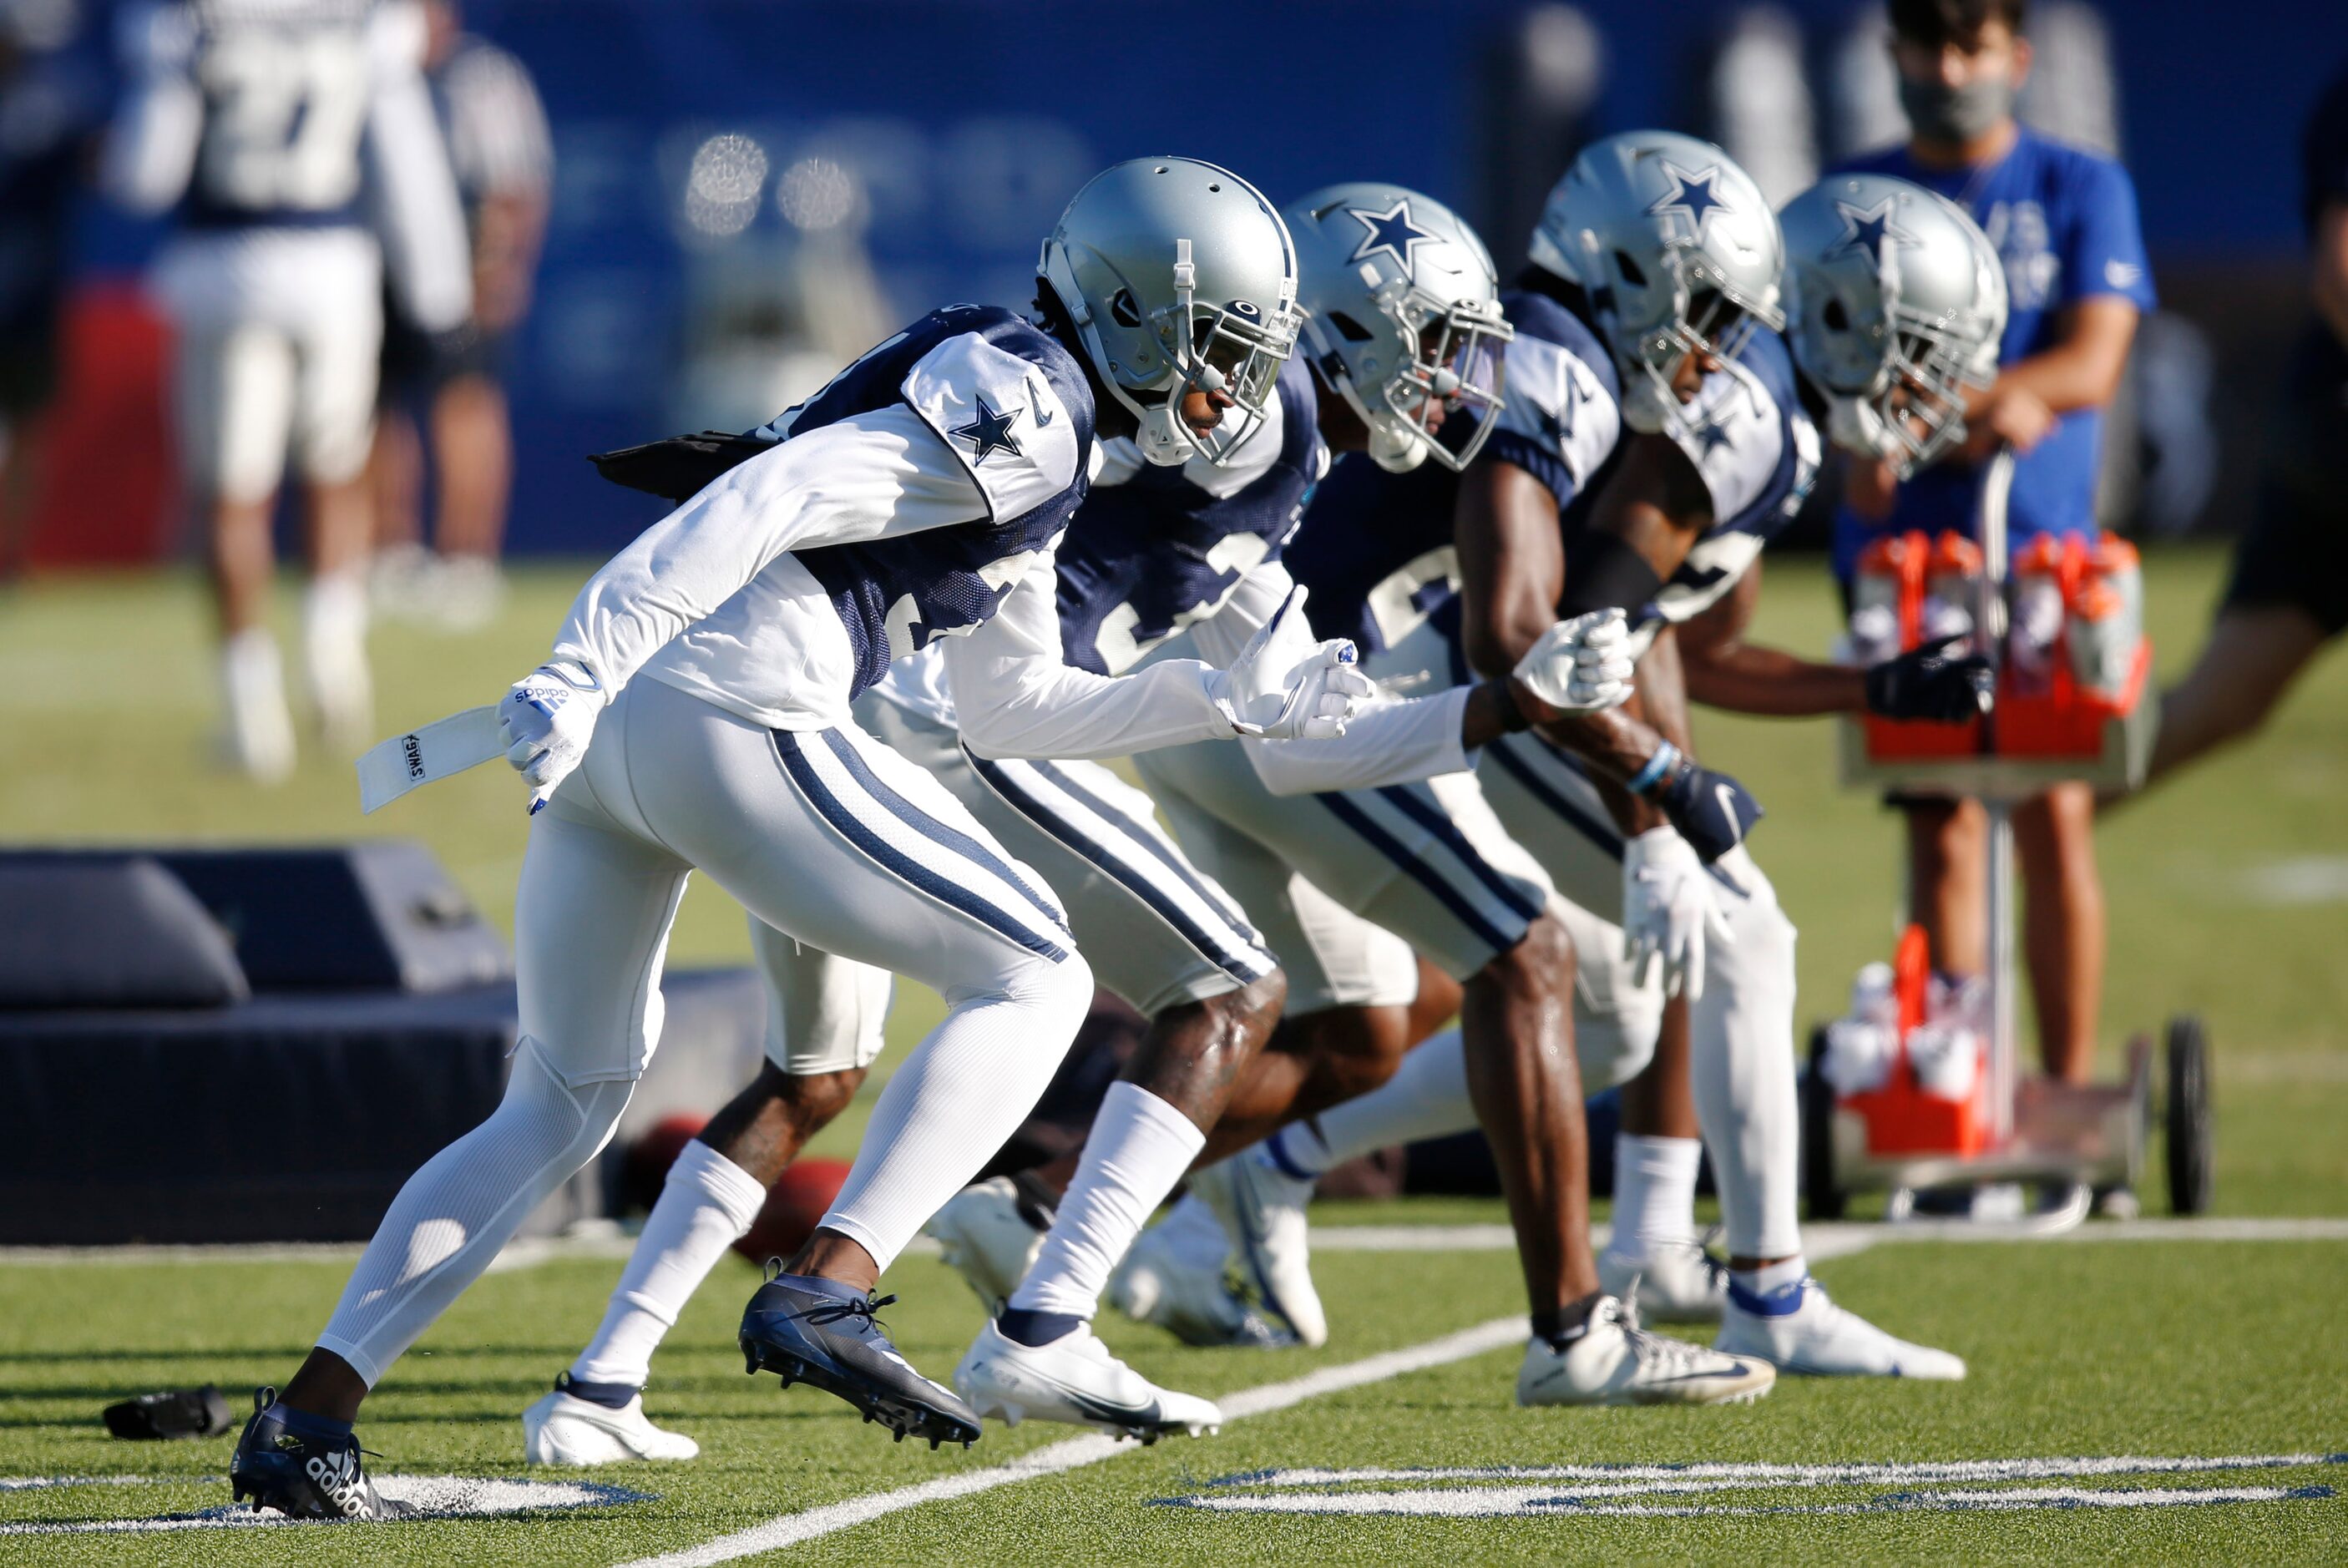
(2064, 223)
(2289, 595)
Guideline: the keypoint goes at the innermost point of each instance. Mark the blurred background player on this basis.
(45, 121)
(273, 126)
(503, 158)
(2289, 594)
(2064, 222)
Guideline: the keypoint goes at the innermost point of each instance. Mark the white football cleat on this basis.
(1263, 1210)
(1616, 1362)
(1798, 1329)
(1171, 1281)
(1075, 1379)
(564, 1429)
(988, 1238)
(1676, 1281)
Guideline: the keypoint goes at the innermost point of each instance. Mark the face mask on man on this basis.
(1939, 112)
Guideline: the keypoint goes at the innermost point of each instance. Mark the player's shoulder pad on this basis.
(398, 36)
(156, 37)
(1009, 403)
(1743, 439)
(1562, 392)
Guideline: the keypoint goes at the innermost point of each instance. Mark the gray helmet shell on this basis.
(1649, 223)
(1402, 316)
(1178, 277)
(1896, 303)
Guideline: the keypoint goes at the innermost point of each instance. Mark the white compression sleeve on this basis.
(457, 1212)
(960, 1094)
(1654, 1193)
(707, 1205)
(1139, 1148)
(1426, 1097)
(871, 476)
(1742, 1070)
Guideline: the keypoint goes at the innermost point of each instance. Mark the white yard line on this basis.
(791, 1528)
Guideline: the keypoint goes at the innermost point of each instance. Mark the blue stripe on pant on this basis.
(1462, 908)
(1246, 966)
(947, 892)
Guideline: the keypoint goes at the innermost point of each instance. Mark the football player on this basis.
(1652, 442)
(695, 713)
(263, 122)
(1153, 550)
(1434, 865)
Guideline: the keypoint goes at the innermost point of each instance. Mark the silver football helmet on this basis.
(1402, 316)
(1897, 302)
(1678, 252)
(1178, 277)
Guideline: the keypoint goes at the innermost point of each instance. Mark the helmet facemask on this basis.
(1708, 316)
(1913, 410)
(1442, 360)
(1231, 349)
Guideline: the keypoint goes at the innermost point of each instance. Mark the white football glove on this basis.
(1581, 665)
(1286, 687)
(1669, 909)
(546, 721)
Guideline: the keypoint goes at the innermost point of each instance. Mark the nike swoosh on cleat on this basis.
(1739, 1370)
(1120, 1415)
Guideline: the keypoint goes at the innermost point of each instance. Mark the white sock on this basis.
(460, 1210)
(1741, 1068)
(1140, 1147)
(707, 1204)
(334, 651)
(1654, 1193)
(253, 688)
(1426, 1097)
(959, 1094)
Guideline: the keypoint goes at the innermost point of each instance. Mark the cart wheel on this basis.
(1818, 1135)
(2190, 1152)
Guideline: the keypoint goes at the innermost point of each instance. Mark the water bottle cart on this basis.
(2015, 1127)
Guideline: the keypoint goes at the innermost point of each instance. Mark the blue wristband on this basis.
(1661, 763)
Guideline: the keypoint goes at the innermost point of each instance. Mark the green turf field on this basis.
(2228, 895)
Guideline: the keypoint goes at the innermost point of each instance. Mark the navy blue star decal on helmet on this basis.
(989, 432)
(1391, 232)
(1691, 195)
(1871, 230)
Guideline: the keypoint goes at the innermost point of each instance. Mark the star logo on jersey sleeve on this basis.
(1871, 230)
(1391, 232)
(989, 432)
(1691, 195)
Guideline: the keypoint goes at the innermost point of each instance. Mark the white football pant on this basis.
(825, 836)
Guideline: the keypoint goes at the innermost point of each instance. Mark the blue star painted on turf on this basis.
(1391, 232)
(1871, 230)
(1691, 195)
(989, 432)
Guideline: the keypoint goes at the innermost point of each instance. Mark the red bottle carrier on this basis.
(2063, 718)
(1900, 1117)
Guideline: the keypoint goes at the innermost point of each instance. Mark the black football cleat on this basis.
(817, 1332)
(299, 1476)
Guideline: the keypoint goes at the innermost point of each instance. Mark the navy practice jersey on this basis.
(1151, 552)
(895, 594)
(1376, 549)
